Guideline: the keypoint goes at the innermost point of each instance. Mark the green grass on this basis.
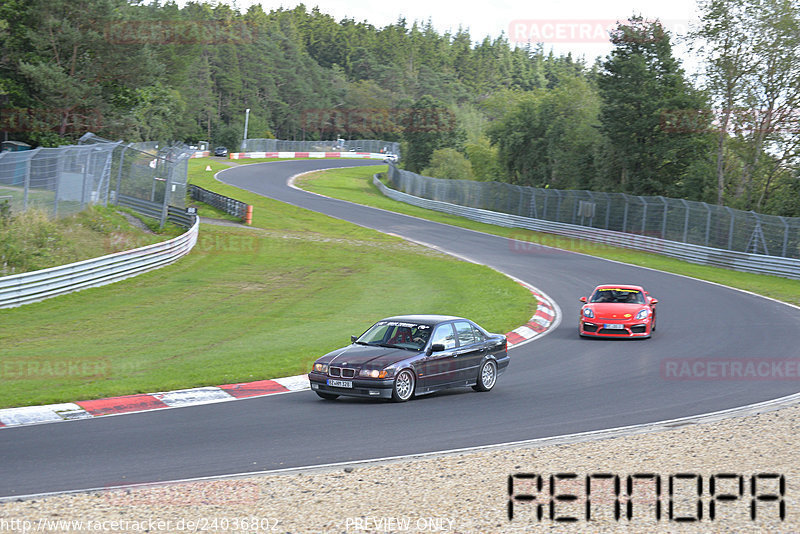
(246, 304)
(31, 240)
(35, 196)
(354, 185)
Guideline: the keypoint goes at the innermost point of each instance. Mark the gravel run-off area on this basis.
(469, 492)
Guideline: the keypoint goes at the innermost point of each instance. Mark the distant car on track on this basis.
(615, 310)
(221, 152)
(407, 355)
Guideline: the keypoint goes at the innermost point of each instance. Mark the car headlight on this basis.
(321, 367)
(642, 314)
(373, 373)
(587, 312)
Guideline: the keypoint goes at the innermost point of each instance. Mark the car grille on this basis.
(639, 329)
(344, 372)
(613, 332)
(589, 327)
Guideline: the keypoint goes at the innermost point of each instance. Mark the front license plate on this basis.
(340, 383)
(614, 326)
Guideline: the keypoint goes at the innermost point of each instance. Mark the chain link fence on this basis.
(683, 221)
(358, 145)
(65, 180)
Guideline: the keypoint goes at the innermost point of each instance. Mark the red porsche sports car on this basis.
(618, 311)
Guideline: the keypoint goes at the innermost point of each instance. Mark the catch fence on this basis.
(65, 180)
(678, 220)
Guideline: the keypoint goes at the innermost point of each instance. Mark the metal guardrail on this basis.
(231, 206)
(740, 261)
(355, 145)
(154, 210)
(25, 288)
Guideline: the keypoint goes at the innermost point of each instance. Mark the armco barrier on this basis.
(35, 286)
(231, 206)
(740, 261)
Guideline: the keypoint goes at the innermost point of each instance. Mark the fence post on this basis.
(730, 230)
(558, 205)
(85, 177)
(708, 222)
(28, 179)
(625, 214)
(59, 172)
(785, 235)
(119, 173)
(686, 221)
(664, 219)
(575, 203)
(167, 191)
(644, 215)
(544, 207)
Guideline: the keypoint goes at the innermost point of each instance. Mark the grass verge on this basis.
(31, 240)
(248, 303)
(353, 184)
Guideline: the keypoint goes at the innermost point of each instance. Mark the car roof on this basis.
(424, 319)
(620, 286)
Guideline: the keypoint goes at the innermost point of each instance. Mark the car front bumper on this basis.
(372, 388)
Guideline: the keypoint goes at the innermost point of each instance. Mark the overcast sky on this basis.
(571, 25)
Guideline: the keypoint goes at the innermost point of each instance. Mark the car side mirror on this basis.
(436, 347)
(653, 301)
(583, 299)
(353, 339)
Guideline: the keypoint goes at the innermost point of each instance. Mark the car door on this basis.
(470, 351)
(438, 368)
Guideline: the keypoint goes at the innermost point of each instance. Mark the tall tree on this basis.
(550, 137)
(641, 81)
(429, 125)
(752, 53)
(730, 61)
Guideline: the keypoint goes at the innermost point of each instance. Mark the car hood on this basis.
(358, 355)
(615, 310)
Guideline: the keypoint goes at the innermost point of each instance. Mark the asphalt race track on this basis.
(557, 385)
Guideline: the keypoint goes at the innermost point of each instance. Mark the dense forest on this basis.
(461, 106)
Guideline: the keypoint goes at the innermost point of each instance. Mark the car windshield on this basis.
(399, 334)
(617, 296)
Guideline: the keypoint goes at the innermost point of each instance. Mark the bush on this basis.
(27, 242)
(449, 163)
